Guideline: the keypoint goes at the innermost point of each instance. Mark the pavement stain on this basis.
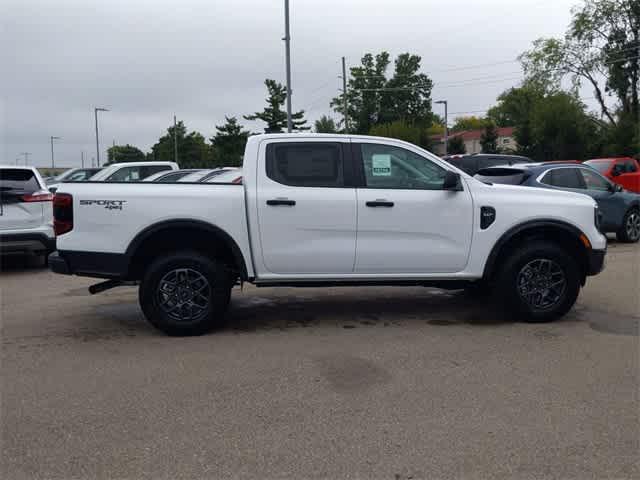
(348, 374)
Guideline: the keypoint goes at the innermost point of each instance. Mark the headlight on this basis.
(596, 216)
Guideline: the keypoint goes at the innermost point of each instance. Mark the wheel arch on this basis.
(184, 233)
(555, 230)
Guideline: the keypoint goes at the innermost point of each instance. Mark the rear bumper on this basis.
(89, 264)
(26, 243)
(596, 261)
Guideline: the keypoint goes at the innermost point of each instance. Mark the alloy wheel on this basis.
(541, 283)
(633, 226)
(183, 294)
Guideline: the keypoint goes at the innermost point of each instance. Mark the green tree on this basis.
(364, 91)
(229, 142)
(325, 124)
(124, 153)
(561, 129)
(193, 151)
(372, 99)
(273, 114)
(602, 48)
(489, 139)
(400, 130)
(513, 110)
(469, 123)
(455, 146)
(407, 95)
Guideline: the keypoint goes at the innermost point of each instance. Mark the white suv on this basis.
(26, 212)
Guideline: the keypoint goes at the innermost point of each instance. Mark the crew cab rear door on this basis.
(306, 207)
(407, 223)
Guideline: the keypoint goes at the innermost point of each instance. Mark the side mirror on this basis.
(53, 189)
(452, 181)
(618, 188)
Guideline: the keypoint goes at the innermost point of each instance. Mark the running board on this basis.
(108, 285)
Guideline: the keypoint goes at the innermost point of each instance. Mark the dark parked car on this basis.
(477, 161)
(619, 209)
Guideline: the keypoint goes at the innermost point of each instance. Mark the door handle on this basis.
(281, 202)
(380, 203)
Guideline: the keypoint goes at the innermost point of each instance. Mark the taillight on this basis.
(62, 213)
(37, 197)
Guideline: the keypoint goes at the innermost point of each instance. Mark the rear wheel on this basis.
(630, 230)
(185, 293)
(540, 281)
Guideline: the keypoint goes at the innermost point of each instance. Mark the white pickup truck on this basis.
(326, 210)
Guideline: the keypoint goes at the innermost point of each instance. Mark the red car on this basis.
(624, 171)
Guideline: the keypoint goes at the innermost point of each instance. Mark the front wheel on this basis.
(185, 293)
(540, 281)
(630, 230)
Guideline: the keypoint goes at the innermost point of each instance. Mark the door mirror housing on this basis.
(452, 181)
(618, 188)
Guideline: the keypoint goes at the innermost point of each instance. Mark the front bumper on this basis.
(26, 242)
(596, 261)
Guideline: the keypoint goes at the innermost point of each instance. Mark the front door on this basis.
(306, 213)
(407, 223)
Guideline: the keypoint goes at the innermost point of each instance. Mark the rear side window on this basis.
(16, 180)
(564, 178)
(505, 176)
(133, 174)
(306, 164)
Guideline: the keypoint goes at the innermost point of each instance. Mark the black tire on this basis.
(630, 230)
(524, 271)
(185, 293)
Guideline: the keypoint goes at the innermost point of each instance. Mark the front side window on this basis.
(594, 181)
(392, 167)
(564, 178)
(306, 164)
(629, 166)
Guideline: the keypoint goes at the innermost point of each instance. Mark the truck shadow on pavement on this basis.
(350, 310)
(21, 263)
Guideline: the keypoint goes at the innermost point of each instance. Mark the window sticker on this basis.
(381, 165)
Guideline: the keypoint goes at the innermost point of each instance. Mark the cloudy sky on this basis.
(145, 60)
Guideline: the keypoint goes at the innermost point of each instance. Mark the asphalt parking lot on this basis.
(391, 383)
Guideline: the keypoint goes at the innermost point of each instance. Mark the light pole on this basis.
(95, 112)
(53, 164)
(287, 53)
(26, 157)
(446, 128)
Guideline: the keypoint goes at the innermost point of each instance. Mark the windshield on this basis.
(601, 165)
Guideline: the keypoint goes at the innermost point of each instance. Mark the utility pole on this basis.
(446, 122)
(82, 158)
(344, 95)
(93, 161)
(26, 157)
(53, 165)
(95, 112)
(287, 50)
(175, 140)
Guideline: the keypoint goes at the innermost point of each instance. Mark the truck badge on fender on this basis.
(108, 204)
